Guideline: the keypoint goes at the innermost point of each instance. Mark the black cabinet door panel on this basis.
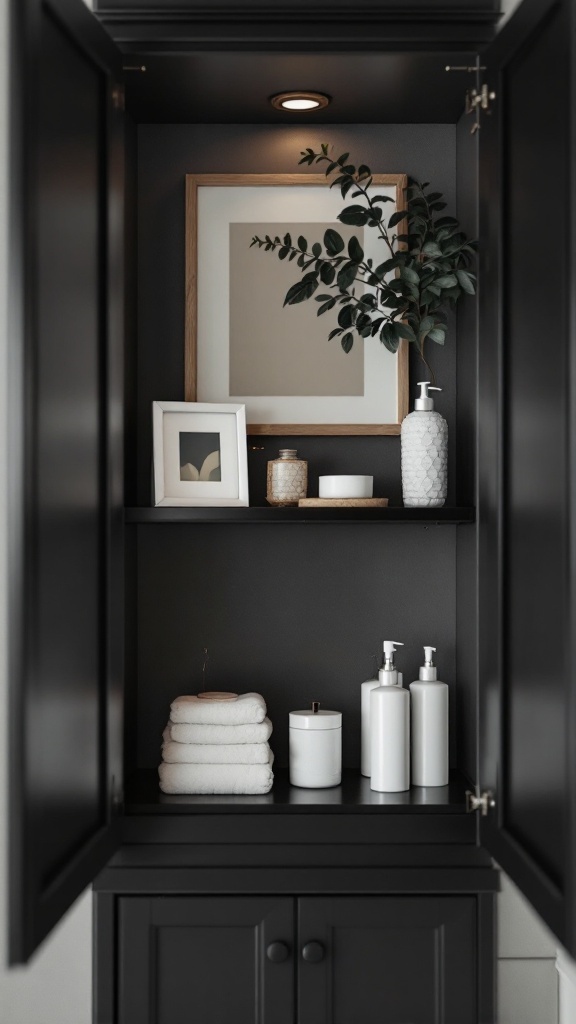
(387, 960)
(66, 506)
(206, 960)
(527, 470)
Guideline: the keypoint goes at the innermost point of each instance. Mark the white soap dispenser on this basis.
(424, 453)
(429, 726)
(389, 729)
(365, 691)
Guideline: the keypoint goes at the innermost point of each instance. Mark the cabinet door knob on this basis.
(313, 952)
(277, 952)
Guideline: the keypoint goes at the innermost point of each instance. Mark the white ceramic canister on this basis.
(315, 748)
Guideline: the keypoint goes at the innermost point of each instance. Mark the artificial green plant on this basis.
(424, 272)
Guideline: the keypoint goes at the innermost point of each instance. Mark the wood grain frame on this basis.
(193, 183)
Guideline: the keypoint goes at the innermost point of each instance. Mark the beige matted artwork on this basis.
(243, 345)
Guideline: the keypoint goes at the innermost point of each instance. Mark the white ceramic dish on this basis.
(345, 486)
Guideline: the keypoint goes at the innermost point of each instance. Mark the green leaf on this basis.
(302, 290)
(346, 316)
(334, 333)
(408, 274)
(405, 331)
(347, 275)
(388, 338)
(465, 282)
(342, 159)
(326, 306)
(333, 242)
(347, 342)
(316, 249)
(438, 335)
(448, 281)
(327, 273)
(397, 217)
(302, 243)
(287, 240)
(381, 199)
(431, 249)
(355, 250)
(283, 252)
(355, 214)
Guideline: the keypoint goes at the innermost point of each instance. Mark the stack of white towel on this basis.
(217, 746)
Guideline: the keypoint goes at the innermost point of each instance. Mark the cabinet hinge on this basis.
(478, 99)
(480, 802)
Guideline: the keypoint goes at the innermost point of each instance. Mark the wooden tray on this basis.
(343, 503)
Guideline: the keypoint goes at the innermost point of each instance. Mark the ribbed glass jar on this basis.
(287, 478)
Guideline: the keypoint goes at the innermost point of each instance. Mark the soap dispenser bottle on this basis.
(429, 726)
(365, 691)
(424, 453)
(389, 729)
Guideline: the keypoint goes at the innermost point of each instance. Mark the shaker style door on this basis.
(387, 960)
(65, 460)
(222, 959)
(527, 507)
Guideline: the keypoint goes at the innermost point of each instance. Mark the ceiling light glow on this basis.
(300, 101)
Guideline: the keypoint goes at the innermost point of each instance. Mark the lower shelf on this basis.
(353, 796)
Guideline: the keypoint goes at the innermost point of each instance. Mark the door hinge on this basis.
(478, 99)
(482, 802)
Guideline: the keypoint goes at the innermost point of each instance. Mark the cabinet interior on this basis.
(294, 611)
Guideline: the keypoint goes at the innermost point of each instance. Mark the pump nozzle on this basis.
(428, 671)
(428, 661)
(389, 651)
(424, 403)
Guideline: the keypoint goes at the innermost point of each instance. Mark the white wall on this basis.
(527, 976)
(56, 988)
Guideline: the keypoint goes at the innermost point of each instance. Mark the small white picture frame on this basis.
(200, 455)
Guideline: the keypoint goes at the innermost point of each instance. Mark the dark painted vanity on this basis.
(307, 906)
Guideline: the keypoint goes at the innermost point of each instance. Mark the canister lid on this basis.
(315, 718)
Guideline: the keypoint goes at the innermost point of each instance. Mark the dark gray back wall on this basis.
(293, 611)
(166, 154)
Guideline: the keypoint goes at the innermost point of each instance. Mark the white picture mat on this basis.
(169, 419)
(218, 207)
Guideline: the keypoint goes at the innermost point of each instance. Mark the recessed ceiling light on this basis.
(299, 101)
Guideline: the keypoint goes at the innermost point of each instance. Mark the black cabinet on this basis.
(515, 570)
(324, 960)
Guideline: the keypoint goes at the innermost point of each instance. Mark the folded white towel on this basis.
(215, 753)
(216, 778)
(257, 732)
(248, 708)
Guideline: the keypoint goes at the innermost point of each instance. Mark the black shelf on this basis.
(354, 796)
(264, 514)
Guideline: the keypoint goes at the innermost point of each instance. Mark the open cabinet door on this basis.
(527, 497)
(65, 515)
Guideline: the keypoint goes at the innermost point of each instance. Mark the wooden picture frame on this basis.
(215, 203)
(217, 474)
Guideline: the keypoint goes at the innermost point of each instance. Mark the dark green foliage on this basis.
(425, 272)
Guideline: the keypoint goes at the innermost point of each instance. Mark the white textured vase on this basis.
(424, 441)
